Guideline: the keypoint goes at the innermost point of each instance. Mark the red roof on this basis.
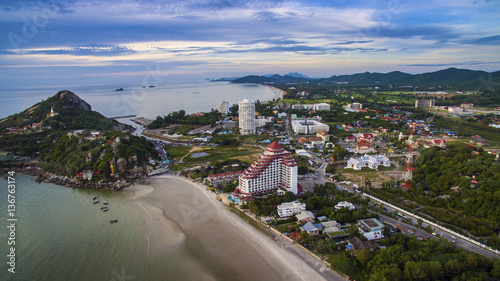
(275, 146)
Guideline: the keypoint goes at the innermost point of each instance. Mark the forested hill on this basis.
(445, 77)
(70, 112)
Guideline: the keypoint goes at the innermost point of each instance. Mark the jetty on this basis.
(142, 121)
(120, 117)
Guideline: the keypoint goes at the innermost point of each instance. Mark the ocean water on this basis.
(170, 234)
(140, 100)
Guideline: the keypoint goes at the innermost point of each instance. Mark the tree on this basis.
(364, 255)
(413, 271)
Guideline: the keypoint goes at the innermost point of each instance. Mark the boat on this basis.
(113, 221)
(105, 203)
(95, 202)
(102, 208)
(105, 210)
(95, 197)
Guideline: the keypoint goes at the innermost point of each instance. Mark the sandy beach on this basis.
(180, 213)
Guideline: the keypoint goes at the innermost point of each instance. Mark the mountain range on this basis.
(445, 77)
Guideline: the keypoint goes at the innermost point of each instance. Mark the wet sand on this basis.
(213, 242)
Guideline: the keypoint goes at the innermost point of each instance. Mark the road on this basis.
(444, 232)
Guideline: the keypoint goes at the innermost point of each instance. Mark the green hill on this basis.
(446, 77)
(70, 113)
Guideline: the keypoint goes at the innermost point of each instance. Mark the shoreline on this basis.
(290, 264)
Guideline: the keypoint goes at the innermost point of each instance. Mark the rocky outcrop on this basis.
(73, 100)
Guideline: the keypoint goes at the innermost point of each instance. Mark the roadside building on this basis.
(368, 161)
(371, 228)
(224, 107)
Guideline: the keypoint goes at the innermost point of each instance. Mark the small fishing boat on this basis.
(95, 202)
(113, 221)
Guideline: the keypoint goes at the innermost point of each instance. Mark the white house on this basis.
(344, 204)
(371, 228)
(288, 209)
(369, 161)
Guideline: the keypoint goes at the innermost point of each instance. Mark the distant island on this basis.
(118, 90)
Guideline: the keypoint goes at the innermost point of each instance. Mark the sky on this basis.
(73, 42)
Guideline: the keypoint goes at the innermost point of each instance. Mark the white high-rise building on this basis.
(224, 107)
(246, 117)
(274, 169)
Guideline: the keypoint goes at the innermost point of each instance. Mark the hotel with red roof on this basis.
(274, 169)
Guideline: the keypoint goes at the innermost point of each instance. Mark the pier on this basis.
(121, 117)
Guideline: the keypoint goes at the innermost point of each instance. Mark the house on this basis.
(350, 139)
(439, 142)
(344, 204)
(479, 141)
(368, 161)
(467, 105)
(305, 216)
(357, 244)
(325, 136)
(371, 228)
(332, 230)
(312, 228)
(223, 179)
(363, 146)
(288, 209)
(368, 137)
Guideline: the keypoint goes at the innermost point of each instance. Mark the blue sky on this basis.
(72, 42)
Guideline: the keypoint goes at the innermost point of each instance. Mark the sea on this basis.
(141, 100)
(61, 235)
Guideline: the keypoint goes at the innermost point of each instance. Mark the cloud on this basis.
(489, 40)
(467, 63)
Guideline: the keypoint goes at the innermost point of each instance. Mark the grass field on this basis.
(218, 153)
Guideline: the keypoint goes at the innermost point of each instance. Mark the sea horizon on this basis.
(139, 99)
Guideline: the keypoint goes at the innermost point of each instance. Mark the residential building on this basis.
(223, 179)
(424, 103)
(246, 117)
(315, 107)
(439, 142)
(479, 141)
(308, 126)
(363, 146)
(369, 161)
(371, 228)
(357, 244)
(224, 107)
(312, 228)
(355, 105)
(325, 136)
(467, 105)
(456, 110)
(305, 216)
(275, 168)
(288, 209)
(344, 204)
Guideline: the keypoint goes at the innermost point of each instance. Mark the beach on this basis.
(178, 213)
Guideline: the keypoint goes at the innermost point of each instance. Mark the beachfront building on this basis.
(274, 169)
(246, 117)
(224, 107)
(369, 161)
(424, 103)
(308, 126)
(223, 179)
(371, 228)
(288, 209)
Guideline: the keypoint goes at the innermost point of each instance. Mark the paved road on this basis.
(467, 245)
